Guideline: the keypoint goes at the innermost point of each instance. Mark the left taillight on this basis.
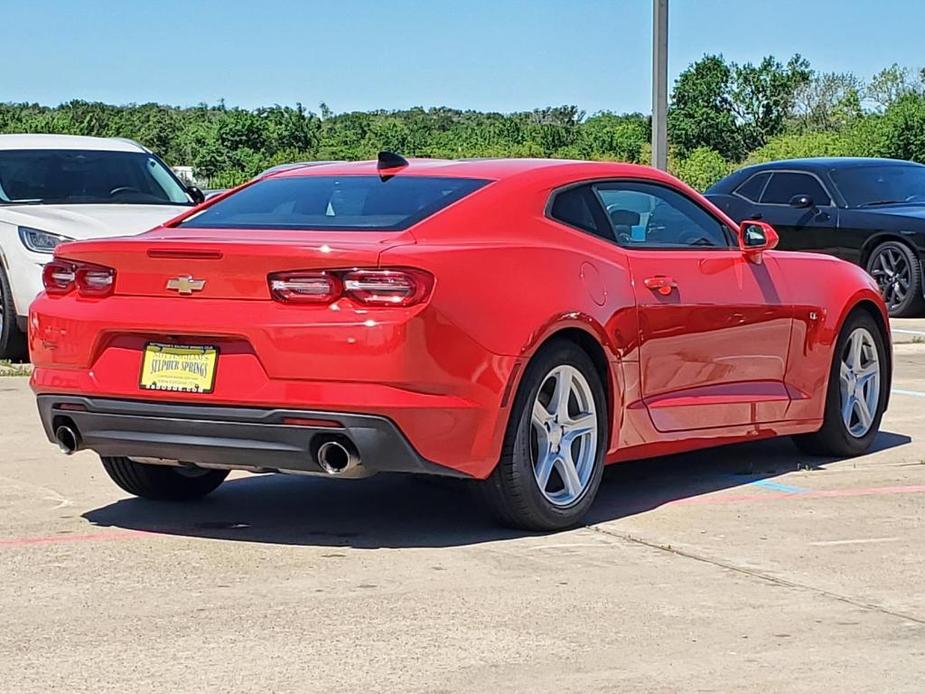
(64, 276)
(305, 287)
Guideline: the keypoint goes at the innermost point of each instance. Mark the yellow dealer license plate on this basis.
(181, 368)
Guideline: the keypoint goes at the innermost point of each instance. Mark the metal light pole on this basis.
(660, 84)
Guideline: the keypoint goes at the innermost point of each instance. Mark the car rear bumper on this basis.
(442, 390)
(237, 437)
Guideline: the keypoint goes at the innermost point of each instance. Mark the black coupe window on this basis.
(785, 184)
(882, 184)
(753, 187)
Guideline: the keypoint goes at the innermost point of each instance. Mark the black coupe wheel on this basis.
(12, 339)
(553, 456)
(162, 482)
(898, 273)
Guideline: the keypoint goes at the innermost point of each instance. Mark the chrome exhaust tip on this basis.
(68, 439)
(337, 457)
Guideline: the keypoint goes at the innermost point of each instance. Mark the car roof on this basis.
(492, 169)
(103, 144)
(828, 163)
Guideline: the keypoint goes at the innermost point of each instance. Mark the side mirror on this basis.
(197, 195)
(755, 238)
(801, 202)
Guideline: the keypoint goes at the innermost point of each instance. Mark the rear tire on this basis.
(845, 430)
(162, 482)
(12, 340)
(898, 273)
(559, 439)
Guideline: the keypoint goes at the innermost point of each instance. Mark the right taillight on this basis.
(64, 276)
(369, 287)
(402, 287)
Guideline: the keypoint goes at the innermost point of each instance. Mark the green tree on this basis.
(808, 144)
(702, 168)
(901, 129)
(763, 97)
(731, 108)
(893, 83)
(830, 101)
(701, 112)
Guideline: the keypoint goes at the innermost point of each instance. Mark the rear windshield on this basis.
(341, 203)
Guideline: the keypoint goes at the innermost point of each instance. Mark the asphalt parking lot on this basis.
(748, 568)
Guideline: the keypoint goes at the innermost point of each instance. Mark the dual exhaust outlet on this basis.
(335, 455)
(68, 439)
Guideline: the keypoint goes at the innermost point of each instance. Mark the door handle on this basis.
(661, 284)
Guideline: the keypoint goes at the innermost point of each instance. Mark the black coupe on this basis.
(868, 211)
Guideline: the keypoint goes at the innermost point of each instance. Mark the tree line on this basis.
(722, 115)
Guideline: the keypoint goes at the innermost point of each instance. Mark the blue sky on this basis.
(499, 55)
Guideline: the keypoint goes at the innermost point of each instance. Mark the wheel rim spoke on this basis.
(847, 411)
(580, 426)
(541, 415)
(544, 469)
(864, 416)
(560, 395)
(566, 467)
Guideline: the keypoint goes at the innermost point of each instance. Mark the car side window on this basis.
(785, 184)
(578, 207)
(753, 188)
(646, 215)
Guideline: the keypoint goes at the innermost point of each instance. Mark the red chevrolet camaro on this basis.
(518, 322)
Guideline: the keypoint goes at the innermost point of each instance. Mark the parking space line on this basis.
(913, 393)
(859, 541)
(771, 495)
(908, 332)
(778, 487)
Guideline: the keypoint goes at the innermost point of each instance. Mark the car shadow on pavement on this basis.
(404, 511)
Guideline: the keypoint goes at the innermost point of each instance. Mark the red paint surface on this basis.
(731, 353)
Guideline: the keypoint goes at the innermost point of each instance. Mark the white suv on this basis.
(56, 188)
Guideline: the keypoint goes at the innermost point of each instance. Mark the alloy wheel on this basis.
(860, 382)
(564, 436)
(890, 268)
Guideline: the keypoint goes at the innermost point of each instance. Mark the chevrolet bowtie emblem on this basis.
(185, 284)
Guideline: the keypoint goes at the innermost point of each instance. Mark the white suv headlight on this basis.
(39, 241)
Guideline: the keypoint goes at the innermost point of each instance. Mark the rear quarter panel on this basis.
(508, 278)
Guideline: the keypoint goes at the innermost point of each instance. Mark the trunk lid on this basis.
(225, 264)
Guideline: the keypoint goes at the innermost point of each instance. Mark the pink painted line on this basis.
(825, 493)
(64, 539)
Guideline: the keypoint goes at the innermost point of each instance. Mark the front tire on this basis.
(162, 482)
(898, 272)
(12, 339)
(857, 391)
(553, 455)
